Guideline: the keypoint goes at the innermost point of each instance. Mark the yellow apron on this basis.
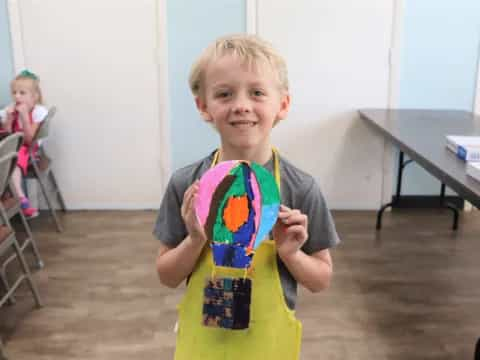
(274, 332)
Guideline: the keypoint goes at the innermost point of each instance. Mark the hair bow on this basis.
(28, 74)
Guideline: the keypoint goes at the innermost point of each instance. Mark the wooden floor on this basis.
(411, 291)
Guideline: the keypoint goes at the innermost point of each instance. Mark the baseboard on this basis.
(425, 201)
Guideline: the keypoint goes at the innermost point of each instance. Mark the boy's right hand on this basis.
(195, 230)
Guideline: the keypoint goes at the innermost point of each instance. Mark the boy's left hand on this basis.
(290, 232)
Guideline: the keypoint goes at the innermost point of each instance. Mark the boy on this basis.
(240, 87)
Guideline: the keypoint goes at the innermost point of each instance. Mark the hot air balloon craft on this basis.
(237, 204)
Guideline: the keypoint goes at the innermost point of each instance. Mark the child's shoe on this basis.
(28, 211)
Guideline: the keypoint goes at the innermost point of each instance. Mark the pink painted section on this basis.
(207, 185)
(257, 204)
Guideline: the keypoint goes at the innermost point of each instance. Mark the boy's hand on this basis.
(290, 231)
(195, 230)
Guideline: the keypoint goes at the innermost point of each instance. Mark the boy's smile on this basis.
(243, 103)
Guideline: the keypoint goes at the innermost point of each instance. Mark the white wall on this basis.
(6, 69)
(476, 106)
(337, 52)
(98, 64)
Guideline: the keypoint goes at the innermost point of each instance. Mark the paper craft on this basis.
(226, 303)
(237, 205)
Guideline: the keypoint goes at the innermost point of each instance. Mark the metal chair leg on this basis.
(3, 354)
(30, 240)
(28, 275)
(61, 201)
(47, 198)
(3, 278)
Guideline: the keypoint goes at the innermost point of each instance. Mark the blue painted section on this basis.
(267, 221)
(247, 178)
(6, 68)
(192, 26)
(243, 236)
(438, 66)
(230, 256)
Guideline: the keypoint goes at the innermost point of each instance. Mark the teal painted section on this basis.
(192, 25)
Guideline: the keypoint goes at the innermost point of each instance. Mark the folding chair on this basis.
(3, 354)
(40, 168)
(9, 242)
(11, 203)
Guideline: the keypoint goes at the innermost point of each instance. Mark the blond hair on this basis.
(250, 49)
(26, 75)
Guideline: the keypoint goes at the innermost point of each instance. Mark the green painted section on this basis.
(267, 184)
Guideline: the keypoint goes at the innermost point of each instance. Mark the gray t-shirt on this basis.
(299, 190)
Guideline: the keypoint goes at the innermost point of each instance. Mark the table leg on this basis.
(401, 166)
(449, 206)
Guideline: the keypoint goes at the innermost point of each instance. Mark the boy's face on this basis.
(23, 93)
(242, 102)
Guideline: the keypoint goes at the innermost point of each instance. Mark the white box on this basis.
(473, 170)
(453, 141)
